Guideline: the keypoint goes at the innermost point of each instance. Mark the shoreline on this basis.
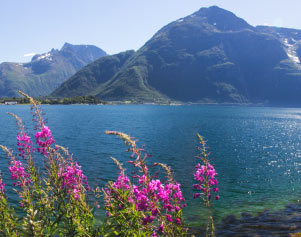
(182, 104)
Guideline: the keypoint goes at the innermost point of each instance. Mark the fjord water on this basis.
(255, 150)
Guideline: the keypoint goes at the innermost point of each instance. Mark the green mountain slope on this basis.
(97, 73)
(209, 56)
(47, 71)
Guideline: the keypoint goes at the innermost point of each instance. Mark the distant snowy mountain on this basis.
(46, 71)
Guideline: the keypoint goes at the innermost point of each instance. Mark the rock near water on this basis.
(281, 223)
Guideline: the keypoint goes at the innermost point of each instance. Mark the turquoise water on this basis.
(256, 150)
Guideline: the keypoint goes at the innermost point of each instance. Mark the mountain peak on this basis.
(222, 19)
(67, 45)
(214, 10)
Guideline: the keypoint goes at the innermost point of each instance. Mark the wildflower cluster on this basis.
(44, 140)
(203, 173)
(24, 144)
(73, 179)
(18, 173)
(45, 195)
(156, 206)
(122, 182)
(169, 195)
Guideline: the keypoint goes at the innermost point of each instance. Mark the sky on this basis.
(29, 27)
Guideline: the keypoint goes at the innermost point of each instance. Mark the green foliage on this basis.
(125, 221)
(8, 223)
(73, 100)
(57, 101)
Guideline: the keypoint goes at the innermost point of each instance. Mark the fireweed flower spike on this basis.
(35, 108)
(73, 179)
(44, 140)
(207, 184)
(150, 206)
(2, 186)
(205, 174)
(17, 173)
(16, 169)
(24, 144)
(44, 137)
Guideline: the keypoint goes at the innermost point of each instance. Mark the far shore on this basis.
(170, 104)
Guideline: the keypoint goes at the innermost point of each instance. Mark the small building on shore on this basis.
(10, 102)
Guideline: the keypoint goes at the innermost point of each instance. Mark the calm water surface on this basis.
(256, 151)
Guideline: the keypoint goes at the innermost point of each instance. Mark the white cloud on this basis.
(29, 54)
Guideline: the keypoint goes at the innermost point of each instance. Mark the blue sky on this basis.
(36, 26)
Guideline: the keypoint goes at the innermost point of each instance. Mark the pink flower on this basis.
(73, 178)
(161, 227)
(168, 217)
(44, 139)
(148, 219)
(196, 195)
(142, 179)
(122, 182)
(178, 221)
(149, 196)
(155, 212)
(2, 187)
(207, 180)
(24, 145)
(17, 173)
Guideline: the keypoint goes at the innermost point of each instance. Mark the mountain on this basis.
(46, 71)
(211, 56)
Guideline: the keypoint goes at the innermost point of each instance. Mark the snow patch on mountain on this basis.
(44, 56)
(290, 48)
